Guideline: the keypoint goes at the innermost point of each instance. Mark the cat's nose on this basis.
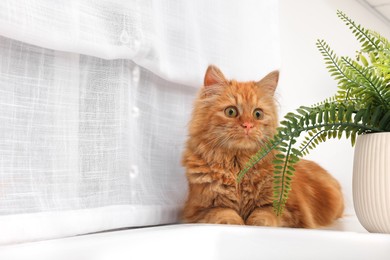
(247, 125)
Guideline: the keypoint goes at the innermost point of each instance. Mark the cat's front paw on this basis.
(223, 216)
(231, 221)
(262, 217)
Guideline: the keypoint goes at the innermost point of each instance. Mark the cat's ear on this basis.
(214, 76)
(270, 81)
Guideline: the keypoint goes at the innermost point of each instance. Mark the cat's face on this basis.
(235, 115)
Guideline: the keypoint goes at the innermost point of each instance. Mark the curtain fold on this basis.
(95, 97)
(175, 40)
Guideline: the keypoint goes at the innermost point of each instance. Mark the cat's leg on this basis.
(210, 204)
(214, 216)
(263, 216)
(220, 216)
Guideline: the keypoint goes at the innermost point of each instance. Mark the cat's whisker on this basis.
(213, 142)
(221, 141)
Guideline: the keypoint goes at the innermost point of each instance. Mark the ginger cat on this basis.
(229, 121)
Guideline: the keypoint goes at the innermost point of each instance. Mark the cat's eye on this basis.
(231, 112)
(258, 114)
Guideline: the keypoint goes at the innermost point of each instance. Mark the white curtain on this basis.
(95, 97)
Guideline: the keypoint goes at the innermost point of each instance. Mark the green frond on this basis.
(384, 122)
(365, 37)
(268, 146)
(369, 86)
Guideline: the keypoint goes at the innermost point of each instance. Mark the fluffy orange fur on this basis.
(222, 140)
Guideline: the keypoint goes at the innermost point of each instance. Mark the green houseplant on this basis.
(360, 106)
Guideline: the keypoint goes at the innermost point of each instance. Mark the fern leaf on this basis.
(385, 121)
(361, 34)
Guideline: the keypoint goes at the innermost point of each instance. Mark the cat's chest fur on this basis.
(255, 189)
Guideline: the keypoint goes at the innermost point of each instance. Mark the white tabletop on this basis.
(346, 239)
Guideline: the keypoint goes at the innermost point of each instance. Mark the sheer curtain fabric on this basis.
(95, 97)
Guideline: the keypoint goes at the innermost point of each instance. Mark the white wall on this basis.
(304, 78)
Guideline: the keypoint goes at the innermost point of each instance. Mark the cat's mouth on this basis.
(249, 133)
(239, 138)
(248, 139)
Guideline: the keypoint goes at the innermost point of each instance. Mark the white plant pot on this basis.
(371, 181)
